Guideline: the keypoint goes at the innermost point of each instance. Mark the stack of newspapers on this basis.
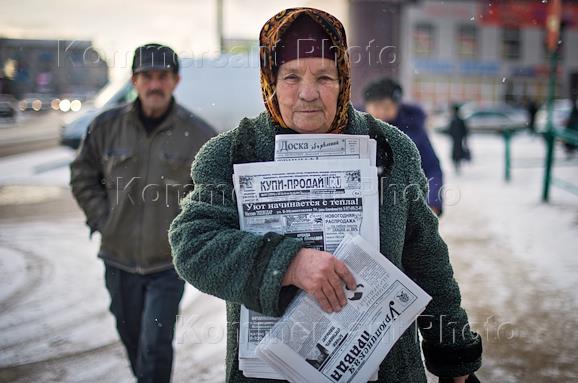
(322, 189)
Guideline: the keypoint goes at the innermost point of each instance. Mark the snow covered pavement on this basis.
(516, 259)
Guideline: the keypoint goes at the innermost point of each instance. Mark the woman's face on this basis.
(307, 90)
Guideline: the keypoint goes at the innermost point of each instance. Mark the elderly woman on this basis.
(305, 79)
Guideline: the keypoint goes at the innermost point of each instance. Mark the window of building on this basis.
(424, 40)
(467, 41)
(511, 43)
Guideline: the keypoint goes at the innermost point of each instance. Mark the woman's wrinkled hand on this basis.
(322, 276)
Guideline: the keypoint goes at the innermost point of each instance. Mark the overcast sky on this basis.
(186, 25)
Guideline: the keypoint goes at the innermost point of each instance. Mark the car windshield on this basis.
(563, 106)
(108, 92)
(560, 106)
(484, 113)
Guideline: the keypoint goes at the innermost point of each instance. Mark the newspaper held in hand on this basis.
(317, 201)
(309, 345)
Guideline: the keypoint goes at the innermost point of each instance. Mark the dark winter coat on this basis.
(129, 183)
(411, 120)
(458, 130)
(212, 254)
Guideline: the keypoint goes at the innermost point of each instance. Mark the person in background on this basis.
(532, 109)
(458, 131)
(382, 99)
(131, 171)
(572, 124)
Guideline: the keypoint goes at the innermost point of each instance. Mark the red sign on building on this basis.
(519, 13)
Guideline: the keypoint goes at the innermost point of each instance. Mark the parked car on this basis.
(486, 118)
(561, 109)
(7, 108)
(222, 91)
(111, 95)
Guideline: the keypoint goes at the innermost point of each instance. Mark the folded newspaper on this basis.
(299, 147)
(316, 200)
(310, 345)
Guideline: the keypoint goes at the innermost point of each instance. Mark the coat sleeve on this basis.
(450, 348)
(87, 182)
(211, 253)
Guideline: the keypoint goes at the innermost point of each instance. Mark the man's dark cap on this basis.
(155, 57)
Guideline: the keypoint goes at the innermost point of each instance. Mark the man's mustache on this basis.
(158, 92)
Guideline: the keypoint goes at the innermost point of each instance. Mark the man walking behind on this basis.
(131, 170)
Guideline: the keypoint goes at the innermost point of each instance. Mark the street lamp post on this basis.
(553, 37)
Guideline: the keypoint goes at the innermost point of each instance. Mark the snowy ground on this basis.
(516, 260)
(54, 321)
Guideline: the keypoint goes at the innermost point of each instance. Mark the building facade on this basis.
(458, 51)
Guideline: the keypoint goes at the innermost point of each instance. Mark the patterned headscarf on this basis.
(272, 33)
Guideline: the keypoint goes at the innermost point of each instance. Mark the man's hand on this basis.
(321, 275)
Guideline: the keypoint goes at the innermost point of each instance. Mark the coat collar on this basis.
(132, 110)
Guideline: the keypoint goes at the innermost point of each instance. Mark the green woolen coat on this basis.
(212, 254)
